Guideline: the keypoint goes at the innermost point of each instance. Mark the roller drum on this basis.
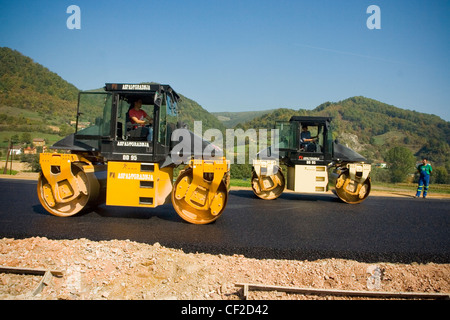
(198, 208)
(66, 197)
(268, 187)
(350, 191)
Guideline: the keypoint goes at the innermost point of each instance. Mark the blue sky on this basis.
(246, 55)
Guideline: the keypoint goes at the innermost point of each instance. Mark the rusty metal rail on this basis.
(45, 281)
(371, 294)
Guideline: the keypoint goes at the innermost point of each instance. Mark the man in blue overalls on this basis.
(424, 180)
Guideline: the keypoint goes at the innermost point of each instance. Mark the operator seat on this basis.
(134, 132)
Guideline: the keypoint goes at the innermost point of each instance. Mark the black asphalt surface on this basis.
(295, 226)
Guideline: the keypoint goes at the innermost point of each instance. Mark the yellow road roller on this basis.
(312, 160)
(122, 153)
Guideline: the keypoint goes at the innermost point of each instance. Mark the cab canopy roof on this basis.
(311, 121)
(141, 88)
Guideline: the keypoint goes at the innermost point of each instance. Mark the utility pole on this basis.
(5, 169)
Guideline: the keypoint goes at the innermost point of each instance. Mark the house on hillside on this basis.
(38, 142)
(16, 150)
(29, 150)
(81, 124)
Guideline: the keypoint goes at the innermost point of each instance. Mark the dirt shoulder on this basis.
(129, 270)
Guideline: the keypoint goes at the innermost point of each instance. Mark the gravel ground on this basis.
(126, 270)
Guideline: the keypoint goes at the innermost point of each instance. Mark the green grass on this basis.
(9, 172)
(17, 112)
(389, 136)
(388, 187)
(240, 183)
(434, 188)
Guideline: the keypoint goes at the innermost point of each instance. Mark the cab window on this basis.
(94, 114)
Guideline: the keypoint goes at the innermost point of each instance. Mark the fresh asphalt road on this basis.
(295, 226)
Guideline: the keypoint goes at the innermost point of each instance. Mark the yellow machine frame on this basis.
(138, 184)
(68, 183)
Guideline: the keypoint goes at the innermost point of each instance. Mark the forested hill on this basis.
(372, 127)
(27, 85)
(35, 99)
(190, 111)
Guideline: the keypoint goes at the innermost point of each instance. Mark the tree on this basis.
(15, 138)
(401, 163)
(32, 160)
(65, 130)
(241, 171)
(440, 175)
(26, 138)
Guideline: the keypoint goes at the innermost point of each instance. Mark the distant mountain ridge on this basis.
(231, 119)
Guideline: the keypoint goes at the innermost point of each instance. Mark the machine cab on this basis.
(105, 121)
(306, 139)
